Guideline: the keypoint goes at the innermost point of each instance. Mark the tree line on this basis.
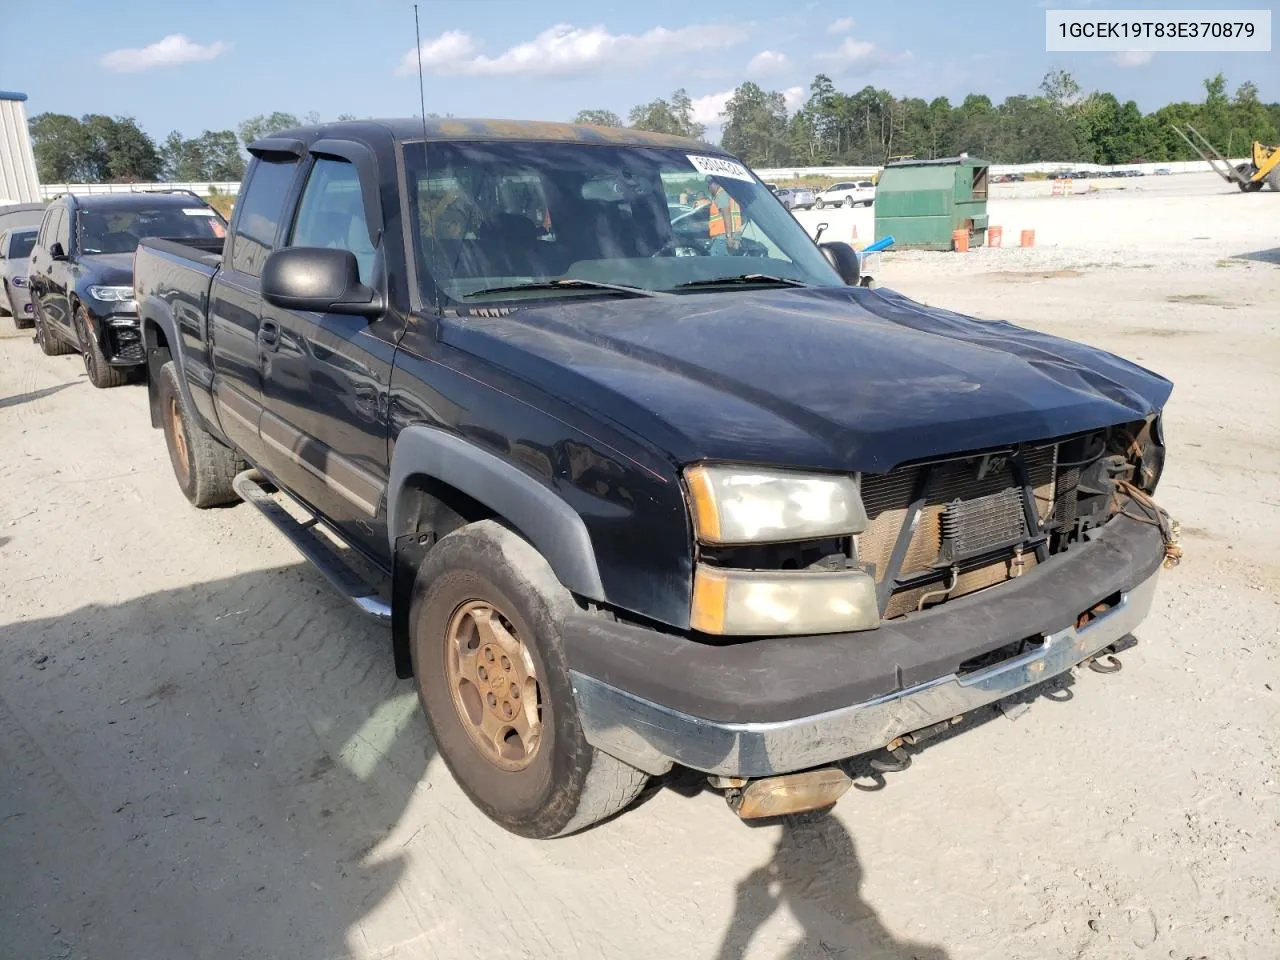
(831, 127)
(872, 126)
(101, 149)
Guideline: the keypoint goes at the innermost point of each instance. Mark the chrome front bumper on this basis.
(652, 737)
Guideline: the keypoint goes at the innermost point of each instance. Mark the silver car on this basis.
(15, 248)
(795, 198)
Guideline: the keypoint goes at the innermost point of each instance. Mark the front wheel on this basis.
(101, 374)
(848, 201)
(484, 625)
(819, 204)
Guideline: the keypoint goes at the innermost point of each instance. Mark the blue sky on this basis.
(192, 66)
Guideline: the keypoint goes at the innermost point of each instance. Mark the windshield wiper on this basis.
(567, 284)
(744, 279)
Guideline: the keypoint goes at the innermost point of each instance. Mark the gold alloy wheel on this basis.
(183, 458)
(494, 685)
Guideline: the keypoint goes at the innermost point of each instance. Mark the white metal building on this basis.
(18, 180)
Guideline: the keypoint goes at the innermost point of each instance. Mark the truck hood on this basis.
(828, 378)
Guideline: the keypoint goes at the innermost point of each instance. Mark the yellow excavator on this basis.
(1262, 168)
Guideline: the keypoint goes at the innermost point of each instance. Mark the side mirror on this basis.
(320, 280)
(56, 252)
(844, 260)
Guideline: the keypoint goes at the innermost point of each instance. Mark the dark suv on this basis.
(81, 272)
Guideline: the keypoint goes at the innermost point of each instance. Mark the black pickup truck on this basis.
(645, 497)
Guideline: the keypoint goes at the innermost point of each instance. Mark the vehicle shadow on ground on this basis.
(814, 874)
(20, 398)
(1261, 256)
(203, 773)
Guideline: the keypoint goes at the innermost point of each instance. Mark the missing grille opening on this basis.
(829, 554)
(1000, 654)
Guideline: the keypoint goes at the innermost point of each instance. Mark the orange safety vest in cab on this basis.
(724, 210)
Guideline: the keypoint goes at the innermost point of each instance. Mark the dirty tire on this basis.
(567, 784)
(203, 467)
(101, 374)
(51, 345)
(1273, 179)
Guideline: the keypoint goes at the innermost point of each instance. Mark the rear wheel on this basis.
(1246, 170)
(51, 345)
(819, 204)
(101, 373)
(1273, 179)
(485, 625)
(848, 201)
(203, 467)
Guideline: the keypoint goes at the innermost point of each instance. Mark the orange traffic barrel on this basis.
(960, 240)
(1028, 238)
(994, 236)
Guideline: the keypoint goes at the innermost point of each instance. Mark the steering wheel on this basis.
(682, 247)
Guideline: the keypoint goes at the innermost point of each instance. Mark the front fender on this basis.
(553, 528)
(155, 315)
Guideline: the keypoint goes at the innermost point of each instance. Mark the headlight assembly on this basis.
(111, 294)
(743, 505)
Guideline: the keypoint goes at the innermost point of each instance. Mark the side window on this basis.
(45, 236)
(331, 213)
(260, 210)
(61, 231)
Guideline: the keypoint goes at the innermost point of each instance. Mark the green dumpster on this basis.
(920, 202)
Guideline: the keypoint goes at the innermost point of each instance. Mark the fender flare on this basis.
(153, 310)
(553, 527)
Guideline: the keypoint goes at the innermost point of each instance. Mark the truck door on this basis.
(325, 392)
(240, 348)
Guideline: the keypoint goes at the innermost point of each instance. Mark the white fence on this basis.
(231, 188)
(842, 173)
(50, 190)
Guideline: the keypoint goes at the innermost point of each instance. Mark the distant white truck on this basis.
(848, 193)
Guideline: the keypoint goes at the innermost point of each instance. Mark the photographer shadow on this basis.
(814, 874)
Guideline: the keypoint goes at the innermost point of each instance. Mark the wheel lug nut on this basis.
(506, 664)
(506, 710)
(515, 691)
(488, 655)
(493, 701)
(484, 674)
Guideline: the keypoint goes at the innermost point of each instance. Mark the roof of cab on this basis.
(139, 198)
(411, 128)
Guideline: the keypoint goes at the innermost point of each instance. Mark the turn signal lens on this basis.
(766, 602)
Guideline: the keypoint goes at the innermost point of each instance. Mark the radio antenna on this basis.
(422, 96)
(422, 106)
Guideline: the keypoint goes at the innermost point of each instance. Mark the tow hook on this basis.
(900, 760)
(1106, 659)
(1109, 663)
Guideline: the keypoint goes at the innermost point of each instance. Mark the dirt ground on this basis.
(205, 754)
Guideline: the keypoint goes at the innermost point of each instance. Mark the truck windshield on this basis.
(492, 217)
(119, 230)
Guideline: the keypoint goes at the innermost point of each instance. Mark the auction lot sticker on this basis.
(720, 167)
(1153, 31)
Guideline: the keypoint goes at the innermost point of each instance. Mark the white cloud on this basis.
(172, 51)
(768, 62)
(452, 46)
(707, 110)
(843, 25)
(565, 50)
(795, 97)
(858, 55)
(1132, 58)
